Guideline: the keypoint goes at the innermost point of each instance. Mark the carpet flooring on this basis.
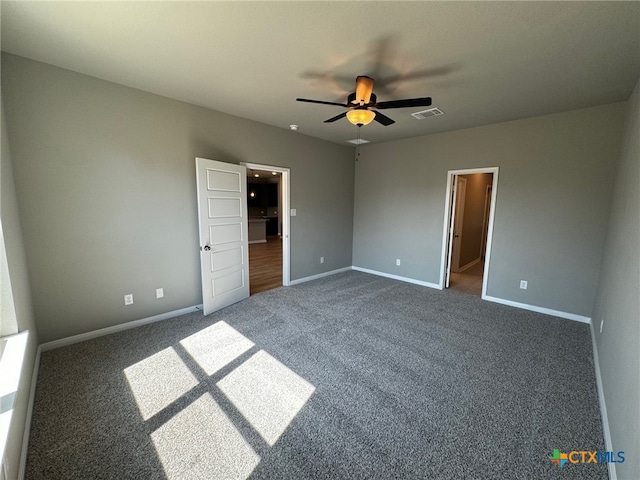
(351, 376)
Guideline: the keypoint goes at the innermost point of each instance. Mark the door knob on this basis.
(207, 248)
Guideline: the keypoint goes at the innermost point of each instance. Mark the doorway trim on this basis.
(451, 174)
(485, 222)
(286, 215)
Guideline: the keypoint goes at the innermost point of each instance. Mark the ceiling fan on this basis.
(363, 105)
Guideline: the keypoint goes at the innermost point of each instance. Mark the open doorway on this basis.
(268, 226)
(468, 229)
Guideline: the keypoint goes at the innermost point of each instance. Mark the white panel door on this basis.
(455, 226)
(460, 193)
(224, 252)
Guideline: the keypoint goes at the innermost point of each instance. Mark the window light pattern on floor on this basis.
(158, 381)
(203, 431)
(216, 346)
(267, 393)
(201, 440)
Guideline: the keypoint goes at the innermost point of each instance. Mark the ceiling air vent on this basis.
(429, 112)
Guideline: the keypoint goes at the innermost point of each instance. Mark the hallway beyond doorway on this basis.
(469, 280)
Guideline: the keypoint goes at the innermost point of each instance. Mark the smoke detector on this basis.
(429, 112)
(294, 127)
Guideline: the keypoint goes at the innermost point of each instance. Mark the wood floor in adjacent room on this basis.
(265, 265)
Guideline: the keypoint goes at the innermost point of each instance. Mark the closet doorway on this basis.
(468, 229)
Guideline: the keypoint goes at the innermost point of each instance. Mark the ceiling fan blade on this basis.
(322, 102)
(383, 119)
(407, 102)
(337, 117)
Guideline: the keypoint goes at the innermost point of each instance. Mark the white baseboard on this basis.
(534, 308)
(28, 416)
(608, 444)
(43, 347)
(398, 277)
(63, 342)
(319, 275)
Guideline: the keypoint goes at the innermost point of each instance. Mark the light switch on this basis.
(293, 212)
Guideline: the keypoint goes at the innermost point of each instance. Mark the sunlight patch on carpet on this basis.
(267, 393)
(158, 381)
(215, 346)
(201, 442)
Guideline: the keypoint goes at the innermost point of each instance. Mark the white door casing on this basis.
(485, 220)
(222, 215)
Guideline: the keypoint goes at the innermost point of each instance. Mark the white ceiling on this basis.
(481, 62)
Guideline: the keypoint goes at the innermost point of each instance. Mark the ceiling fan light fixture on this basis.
(360, 116)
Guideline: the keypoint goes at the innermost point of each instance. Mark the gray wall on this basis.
(554, 191)
(21, 299)
(474, 199)
(105, 177)
(618, 304)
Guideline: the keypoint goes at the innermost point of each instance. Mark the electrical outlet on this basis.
(159, 292)
(601, 324)
(128, 299)
(321, 259)
(397, 262)
(523, 284)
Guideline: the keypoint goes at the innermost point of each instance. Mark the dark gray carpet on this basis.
(391, 380)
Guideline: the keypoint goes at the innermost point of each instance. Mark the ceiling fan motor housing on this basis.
(364, 89)
(351, 99)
